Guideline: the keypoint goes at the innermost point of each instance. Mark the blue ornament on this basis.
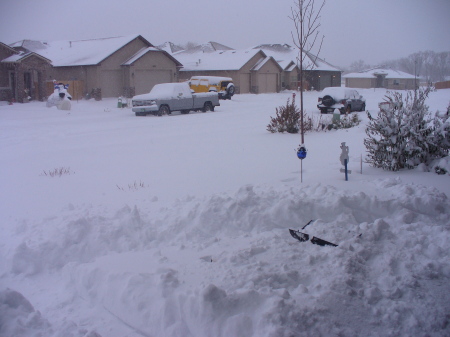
(301, 152)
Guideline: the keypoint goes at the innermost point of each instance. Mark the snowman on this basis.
(60, 97)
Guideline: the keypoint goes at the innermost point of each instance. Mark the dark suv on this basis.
(344, 99)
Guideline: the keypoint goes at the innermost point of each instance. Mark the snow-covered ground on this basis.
(115, 225)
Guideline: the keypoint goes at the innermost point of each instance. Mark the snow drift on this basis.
(221, 263)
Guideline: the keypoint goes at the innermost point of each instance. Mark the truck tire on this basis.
(230, 91)
(327, 100)
(208, 107)
(163, 110)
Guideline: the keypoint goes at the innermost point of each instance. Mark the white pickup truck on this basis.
(167, 97)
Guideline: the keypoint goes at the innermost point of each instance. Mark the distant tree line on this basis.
(428, 65)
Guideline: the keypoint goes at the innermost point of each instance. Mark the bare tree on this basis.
(358, 66)
(305, 16)
(428, 65)
(189, 45)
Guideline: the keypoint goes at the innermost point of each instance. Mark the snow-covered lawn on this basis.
(115, 225)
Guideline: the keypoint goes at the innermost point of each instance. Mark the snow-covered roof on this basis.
(372, 73)
(15, 57)
(77, 53)
(208, 47)
(264, 61)
(218, 60)
(170, 47)
(144, 51)
(22, 56)
(291, 67)
(284, 54)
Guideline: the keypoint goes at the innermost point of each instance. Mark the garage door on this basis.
(324, 81)
(267, 83)
(244, 83)
(112, 83)
(145, 79)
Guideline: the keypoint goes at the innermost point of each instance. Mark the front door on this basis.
(380, 80)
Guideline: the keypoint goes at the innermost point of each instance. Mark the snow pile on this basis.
(221, 263)
(233, 269)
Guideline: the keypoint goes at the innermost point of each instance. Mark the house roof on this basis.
(218, 60)
(372, 73)
(285, 54)
(22, 56)
(170, 47)
(264, 61)
(10, 49)
(144, 51)
(208, 47)
(77, 53)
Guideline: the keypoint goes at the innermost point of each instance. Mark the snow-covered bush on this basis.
(346, 121)
(287, 119)
(405, 135)
(441, 134)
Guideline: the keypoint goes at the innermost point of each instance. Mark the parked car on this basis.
(224, 86)
(343, 99)
(167, 97)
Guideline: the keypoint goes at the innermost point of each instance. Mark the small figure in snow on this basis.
(344, 154)
(60, 97)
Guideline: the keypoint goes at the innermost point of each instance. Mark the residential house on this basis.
(22, 74)
(108, 67)
(381, 78)
(252, 70)
(255, 71)
(318, 74)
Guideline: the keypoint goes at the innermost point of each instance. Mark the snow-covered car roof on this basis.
(339, 93)
(166, 91)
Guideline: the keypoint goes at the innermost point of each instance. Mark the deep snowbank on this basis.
(178, 226)
(227, 266)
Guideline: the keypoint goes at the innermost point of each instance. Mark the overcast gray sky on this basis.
(371, 30)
